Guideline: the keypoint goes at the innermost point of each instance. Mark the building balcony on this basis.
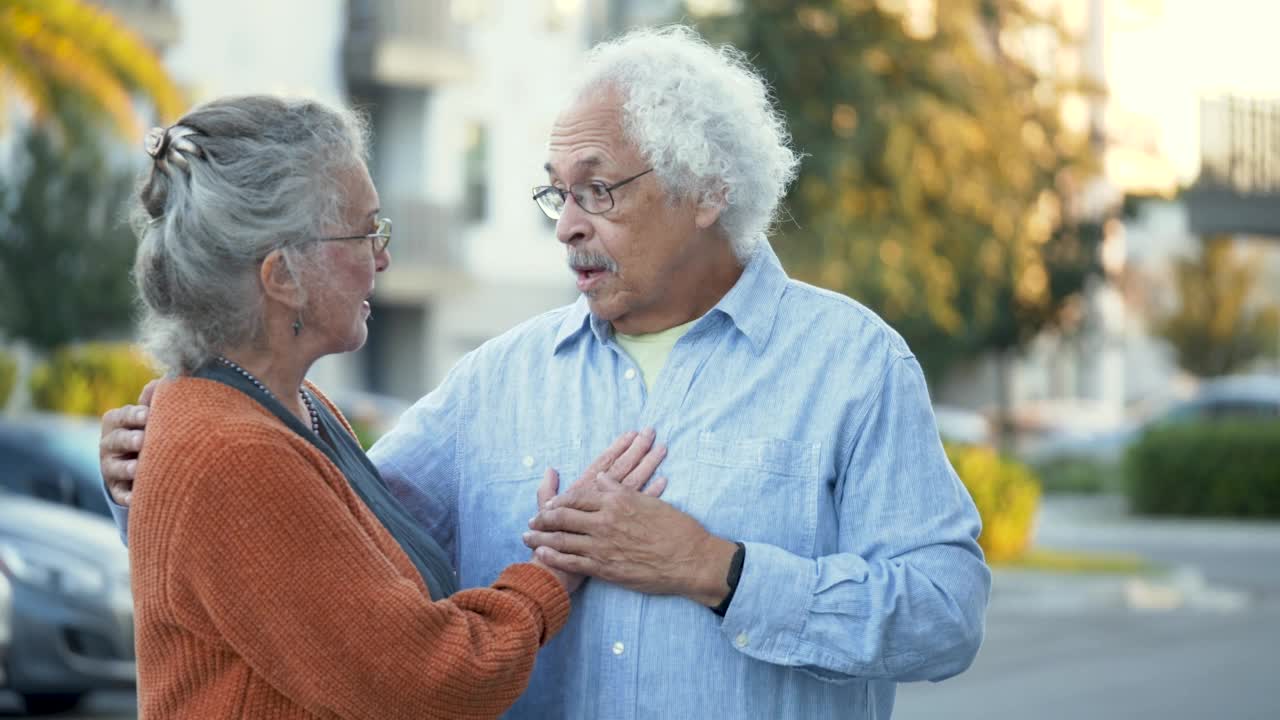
(426, 251)
(1238, 189)
(403, 43)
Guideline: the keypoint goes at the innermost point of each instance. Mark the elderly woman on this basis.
(274, 575)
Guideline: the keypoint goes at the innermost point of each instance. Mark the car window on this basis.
(30, 473)
(57, 464)
(1241, 409)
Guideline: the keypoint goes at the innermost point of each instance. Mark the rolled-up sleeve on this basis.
(905, 597)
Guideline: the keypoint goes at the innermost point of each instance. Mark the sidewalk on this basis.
(1203, 565)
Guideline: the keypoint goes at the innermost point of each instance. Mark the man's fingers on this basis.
(581, 496)
(121, 497)
(656, 487)
(118, 475)
(610, 454)
(564, 542)
(120, 443)
(549, 487)
(562, 519)
(129, 417)
(631, 458)
(563, 562)
(148, 391)
(643, 470)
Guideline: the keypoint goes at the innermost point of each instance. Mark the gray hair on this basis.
(233, 180)
(704, 120)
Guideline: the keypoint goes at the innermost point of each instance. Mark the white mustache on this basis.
(586, 260)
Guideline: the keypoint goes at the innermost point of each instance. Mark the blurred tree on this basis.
(58, 51)
(65, 248)
(939, 181)
(1216, 329)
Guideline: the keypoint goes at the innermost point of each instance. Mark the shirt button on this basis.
(618, 648)
(630, 374)
(528, 461)
(741, 641)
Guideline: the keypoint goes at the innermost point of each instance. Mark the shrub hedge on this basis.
(90, 379)
(8, 377)
(1228, 469)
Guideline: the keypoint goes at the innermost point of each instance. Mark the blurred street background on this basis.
(1069, 208)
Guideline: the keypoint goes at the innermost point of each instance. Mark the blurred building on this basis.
(456, 156)
(1108, 365)
(460, 95)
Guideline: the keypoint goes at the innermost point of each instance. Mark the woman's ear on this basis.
(711, 208)
(280, 281)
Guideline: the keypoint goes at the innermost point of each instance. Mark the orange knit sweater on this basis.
(264, 588)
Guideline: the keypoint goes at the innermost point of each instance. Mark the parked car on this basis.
(53, 457)
(966, 427)
(1239, 397)
(72, 609)
(6, 624)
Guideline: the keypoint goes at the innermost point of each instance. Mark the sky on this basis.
(1160, 63)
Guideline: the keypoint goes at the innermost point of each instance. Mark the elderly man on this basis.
(813, 546)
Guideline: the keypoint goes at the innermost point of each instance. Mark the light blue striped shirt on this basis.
(797, 422)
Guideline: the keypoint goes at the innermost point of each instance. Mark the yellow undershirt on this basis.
(650, 351)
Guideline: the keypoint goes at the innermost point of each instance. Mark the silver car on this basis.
(6, 623)
(72, 609)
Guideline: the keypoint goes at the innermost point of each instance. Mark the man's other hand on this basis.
(121, 441)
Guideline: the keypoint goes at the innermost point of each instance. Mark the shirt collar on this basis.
(575, 321)
(751, 304)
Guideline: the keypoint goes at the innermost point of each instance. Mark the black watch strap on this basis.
(735, 574)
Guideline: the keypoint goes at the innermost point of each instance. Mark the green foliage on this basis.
(938, 181)
(8, 377)
(57, 51)
(1216, 330)
(1208, 468)
(1081, 475)
(65, 250)
(1007, 495)
(90, 379)
(366, 435)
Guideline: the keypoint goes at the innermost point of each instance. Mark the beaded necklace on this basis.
(315, 417)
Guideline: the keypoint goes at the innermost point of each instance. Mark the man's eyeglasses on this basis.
(594, 197)
(379, 239)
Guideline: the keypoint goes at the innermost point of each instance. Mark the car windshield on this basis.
(78, 445)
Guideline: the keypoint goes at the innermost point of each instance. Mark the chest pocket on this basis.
(758, 489)
(495, 504)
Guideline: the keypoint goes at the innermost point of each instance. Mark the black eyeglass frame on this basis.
(577, 190)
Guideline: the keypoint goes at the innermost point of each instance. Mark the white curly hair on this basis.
(704, 119)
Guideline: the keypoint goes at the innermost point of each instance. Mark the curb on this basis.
(1183, 588)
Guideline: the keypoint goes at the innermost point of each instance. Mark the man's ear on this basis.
(280, 281)
(711, 207)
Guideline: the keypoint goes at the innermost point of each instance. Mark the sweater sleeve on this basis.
(270, 554)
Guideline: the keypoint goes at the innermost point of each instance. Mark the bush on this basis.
(1081, 475)
(1222, 469)
(1007, 495)
(90, 379)
(8, 377)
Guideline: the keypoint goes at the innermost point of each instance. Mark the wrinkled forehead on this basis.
(588, 136)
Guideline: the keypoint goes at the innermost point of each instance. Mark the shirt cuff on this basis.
(767, 614)
(120, 514)
(538, 585)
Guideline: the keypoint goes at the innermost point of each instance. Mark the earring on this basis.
(297, 325)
